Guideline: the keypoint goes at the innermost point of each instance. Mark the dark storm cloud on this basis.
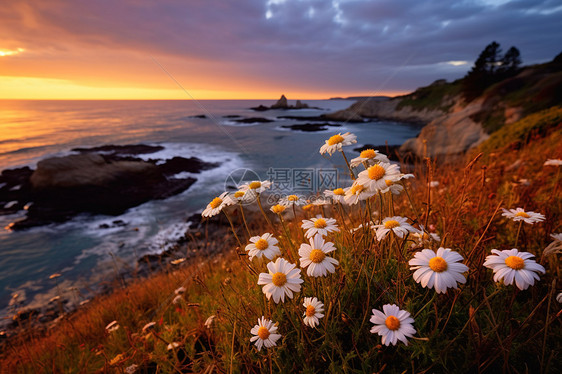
(331, 45)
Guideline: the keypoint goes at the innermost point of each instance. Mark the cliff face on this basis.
(453, 126)
(449, 133)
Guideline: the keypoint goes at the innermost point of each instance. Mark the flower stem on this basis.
(232, 228)
(348, 166)
(263, 212)
(518, 231)
(244, 219)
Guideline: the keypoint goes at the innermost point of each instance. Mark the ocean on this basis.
(81, 251)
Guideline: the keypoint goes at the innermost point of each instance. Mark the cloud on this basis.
(323, 45)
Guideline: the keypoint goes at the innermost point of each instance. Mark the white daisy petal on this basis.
(514, 266)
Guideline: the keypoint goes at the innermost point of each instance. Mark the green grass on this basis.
(432, 97)
(523, 131)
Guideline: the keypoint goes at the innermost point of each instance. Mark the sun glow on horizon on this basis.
(35, 88)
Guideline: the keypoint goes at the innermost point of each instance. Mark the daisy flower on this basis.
(356, 193)
(278, 209)
(392, 324)
(555, 246)
(313, 313)
(392, 186)
(314, 257)
(292, 200)
(179, 290)
(112, 326)
(240, 197)
(512, 265)
(216, 205)
(264, 333)
(263, 246)
(553, 162)
(423, 236)
(336, 195)
(518, 214)
(209, 321)
(370, 157)
(336, 142)
(283, 279)
(398, 225)
(319, 225)
(320, 200)
(148, 326)
(439, 270)
(255, 186)
(375, 177)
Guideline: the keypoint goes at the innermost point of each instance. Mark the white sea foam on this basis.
(241, 124)
(153, 227)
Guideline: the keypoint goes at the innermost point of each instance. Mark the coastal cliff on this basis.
(453, 124)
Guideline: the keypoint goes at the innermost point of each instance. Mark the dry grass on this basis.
(481, 327)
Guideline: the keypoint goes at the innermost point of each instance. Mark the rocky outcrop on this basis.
(108, 183)
(87, 169)
(385, 109)
(310, 127)
(450, 133)
(283, 104)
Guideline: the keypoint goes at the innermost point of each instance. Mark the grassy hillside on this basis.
(532, 89)
(483, 326)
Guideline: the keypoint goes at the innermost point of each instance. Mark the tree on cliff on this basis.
(490, 67)
(511, 60)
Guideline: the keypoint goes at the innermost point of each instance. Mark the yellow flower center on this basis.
(255, 185)
(239, 193)
(390, 224)
(357, 189)
(310, 311)
(263, 333)
(307, 207)
(262, 244)
(279, 279)
(320, 223)
(278, 208)
(389, 182)
(438, 265)
(522, 214)
(216, 202)
(316, 256)
(339, 191)
(336, 139)
(368, 153)
(292, 198)
(376, 172)
(392, 323)
(425, 236)
(515, 262)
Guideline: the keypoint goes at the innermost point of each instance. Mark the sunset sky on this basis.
(257, 49)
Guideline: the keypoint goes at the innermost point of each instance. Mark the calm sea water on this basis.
(81, 251)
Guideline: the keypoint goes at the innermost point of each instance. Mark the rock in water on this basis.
(281, 103)
(62, 187)
(86, 169)
(300, 105)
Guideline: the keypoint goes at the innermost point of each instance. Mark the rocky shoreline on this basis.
(186, 251)
(102, 180)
